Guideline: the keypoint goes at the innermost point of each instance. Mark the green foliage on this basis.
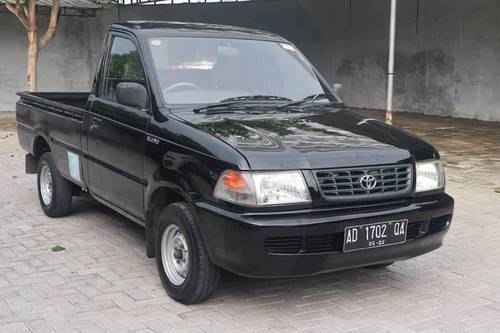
(57, 248)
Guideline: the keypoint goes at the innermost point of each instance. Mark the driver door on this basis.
(117, 136)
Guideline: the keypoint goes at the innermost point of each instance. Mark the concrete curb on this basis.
(7, 117)
(7, 121)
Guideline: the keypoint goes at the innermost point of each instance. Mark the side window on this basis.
(123, 65)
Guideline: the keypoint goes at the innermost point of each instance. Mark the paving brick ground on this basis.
(103, 282)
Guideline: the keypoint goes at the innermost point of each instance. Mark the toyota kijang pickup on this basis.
(234, 153)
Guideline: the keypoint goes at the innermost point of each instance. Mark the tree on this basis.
(26, 13)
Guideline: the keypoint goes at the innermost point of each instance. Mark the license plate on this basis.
(369, 236)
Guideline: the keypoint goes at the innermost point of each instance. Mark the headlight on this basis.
(262, 188)
(430, 176)
(280, 188)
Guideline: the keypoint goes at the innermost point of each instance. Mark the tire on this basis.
(380, 266)
(55, 201)
(188, 277)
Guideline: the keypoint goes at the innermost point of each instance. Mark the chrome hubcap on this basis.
(175, 255)
(46, 185)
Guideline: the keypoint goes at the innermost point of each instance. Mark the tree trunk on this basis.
(31, 80)
(26, 13)
(388, 117)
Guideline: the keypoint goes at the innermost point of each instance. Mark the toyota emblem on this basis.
(368, 182)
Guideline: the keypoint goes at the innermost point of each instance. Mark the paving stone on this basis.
(103, 281)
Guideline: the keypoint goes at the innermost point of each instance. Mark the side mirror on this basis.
(132, 94)
(337, 90)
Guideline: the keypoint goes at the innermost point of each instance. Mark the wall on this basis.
(447, 57)
(66, 64)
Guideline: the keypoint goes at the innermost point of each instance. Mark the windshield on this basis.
(210, 70)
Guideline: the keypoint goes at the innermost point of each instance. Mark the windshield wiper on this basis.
(216, 105)
(257, 98)
(235, 101)
(308, 100)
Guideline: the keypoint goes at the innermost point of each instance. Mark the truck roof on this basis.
(192, 29)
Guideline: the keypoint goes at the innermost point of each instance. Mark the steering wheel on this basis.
(180, 85)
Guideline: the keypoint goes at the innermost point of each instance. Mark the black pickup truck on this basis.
(234, 153)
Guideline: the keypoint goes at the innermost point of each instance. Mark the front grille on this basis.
(335, 242)
(324, 243)
(305, 244)
(283, 245)
(345, 184)
(414, 230)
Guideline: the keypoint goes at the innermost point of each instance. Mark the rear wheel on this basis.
(185, 269)
(54, 192)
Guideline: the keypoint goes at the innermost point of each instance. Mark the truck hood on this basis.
(331, 138)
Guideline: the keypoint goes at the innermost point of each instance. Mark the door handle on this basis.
(95, 123)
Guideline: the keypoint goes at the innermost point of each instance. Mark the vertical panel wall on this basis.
(66, 64)
(447, 59)
(447, 51)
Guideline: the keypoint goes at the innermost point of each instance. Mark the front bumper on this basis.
(306, 243)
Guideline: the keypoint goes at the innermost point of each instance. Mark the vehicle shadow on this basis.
(238, 295)
(305, 294)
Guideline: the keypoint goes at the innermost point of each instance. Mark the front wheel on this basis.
(184, 266)
(54, 192)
